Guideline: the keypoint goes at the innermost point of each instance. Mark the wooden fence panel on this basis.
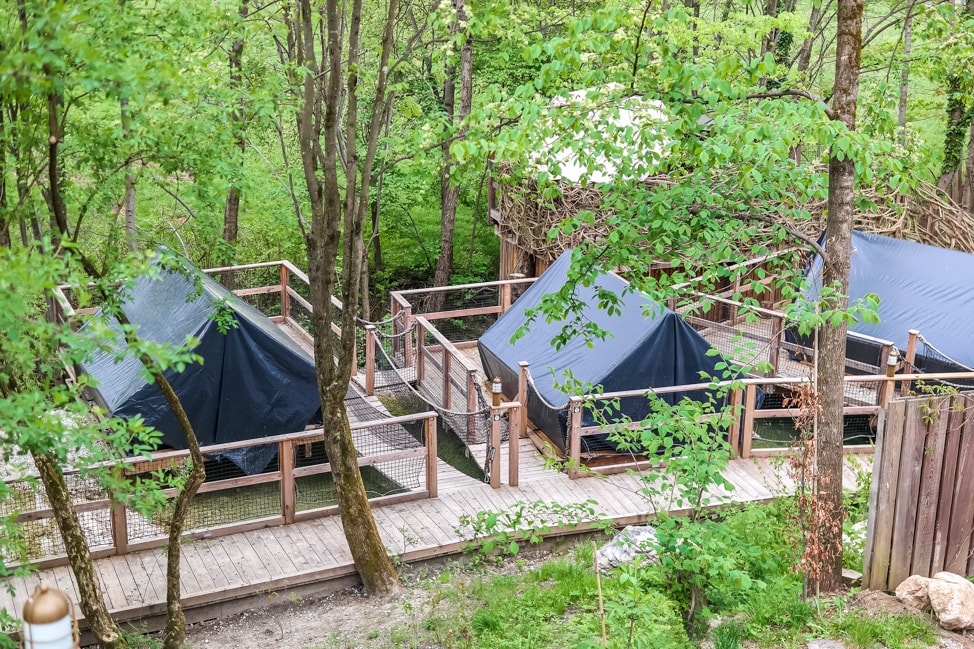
(921, 513)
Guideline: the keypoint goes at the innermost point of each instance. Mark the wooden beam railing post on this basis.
(285, 298)
(574, 437)
(472, 406)
(429, 432)
(120, 528)
(885, 394)
(910, 358)
(420, 351)
(408, 323)
(370, 359)
(734, 430)
(494, 447)
(285, 458)
(505, 298)
(513, 442)
(747, 429)
(522, 395)
(447, 379)
(777, 336)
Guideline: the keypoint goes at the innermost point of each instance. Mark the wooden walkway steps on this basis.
(273, 562)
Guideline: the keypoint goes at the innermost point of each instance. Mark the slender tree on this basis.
(328, 80)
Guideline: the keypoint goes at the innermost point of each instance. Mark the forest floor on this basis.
(349, 620)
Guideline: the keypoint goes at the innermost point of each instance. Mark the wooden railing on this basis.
(743, 402)
(273, 497)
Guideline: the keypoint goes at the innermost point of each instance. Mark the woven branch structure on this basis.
(927, 217)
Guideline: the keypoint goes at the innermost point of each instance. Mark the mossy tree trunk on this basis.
(339, 200)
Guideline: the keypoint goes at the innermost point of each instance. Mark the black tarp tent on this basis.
(254, 381)
(920, 287)
(649, 346)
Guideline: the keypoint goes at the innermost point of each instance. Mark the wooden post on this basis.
(407, 323)
(120, 528)
(522, 395)
(494, 448)
(734, 431)
(447, 379)
(420, 349)
(285, 298)
(886, 393)
(394, 311)
(370, 359)
(777, 336)
(472, 406)
(429, 431)
(910, 358)
(505, 298)
(574, 437)
(747, 430)
(513, 442)
(735, 299)
(285, 459)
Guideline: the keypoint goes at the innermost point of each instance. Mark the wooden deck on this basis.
(274, 562)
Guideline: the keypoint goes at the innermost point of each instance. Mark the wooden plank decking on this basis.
(276, 560)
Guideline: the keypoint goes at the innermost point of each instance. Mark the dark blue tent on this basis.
(920, 287)
(649, 346)
(254, 381)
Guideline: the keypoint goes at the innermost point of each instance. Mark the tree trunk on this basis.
(832, 339)
(905, 74)
(337, 226)
(805, 53)
(959, 121)
(128, 203)
(231, 211)
(59, 210)
(450, 190)
(92, 602)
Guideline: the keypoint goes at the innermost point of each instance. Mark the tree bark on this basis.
(92, 601)
(129, 201)
(959, 121)
(231, 211)
(59, 210)
(832, 339)
(449, 190)
(905, 74)
(805, 53)
(337, 226)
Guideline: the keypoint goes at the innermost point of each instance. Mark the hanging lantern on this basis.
(49, 621)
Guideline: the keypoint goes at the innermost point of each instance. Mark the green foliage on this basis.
(503, 532)
(865, 631)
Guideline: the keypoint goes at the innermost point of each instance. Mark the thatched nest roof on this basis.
(926, 217)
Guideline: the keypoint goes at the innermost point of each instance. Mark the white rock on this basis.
(952, 598)
(912, 591)
(819, 643)
(631, 542)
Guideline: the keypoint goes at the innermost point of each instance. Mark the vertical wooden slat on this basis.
(494, 450)
(285, 298)
(887, 465)
(872, 512)
(285, 458)
(420, 351)
(370, 359)
(574, 437)
(930, 472)
(941, 529)
(513, 443)
(747, 430)
(429, 431)
(120, 528)
(908, 487)
(962, 516)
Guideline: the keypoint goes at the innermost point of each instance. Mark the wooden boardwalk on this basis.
(275, 561)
